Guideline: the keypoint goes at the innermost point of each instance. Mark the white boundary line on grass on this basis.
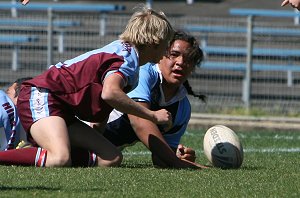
(273, 150)
(250, 150)
(258, 136)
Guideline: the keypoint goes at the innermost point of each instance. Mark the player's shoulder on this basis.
(2, 93)
(120, 48)
(148, 79)
(148, 66)
(3, 97)
(3, 102)
(150, 69)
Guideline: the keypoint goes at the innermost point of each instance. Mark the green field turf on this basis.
(271, 168)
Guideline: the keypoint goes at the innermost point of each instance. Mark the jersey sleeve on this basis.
(5, 127)
(147, 80)
(127, 64)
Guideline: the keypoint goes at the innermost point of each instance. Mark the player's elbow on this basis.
(108, 95)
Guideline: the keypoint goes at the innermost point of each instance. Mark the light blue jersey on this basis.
(10, 126)
(119, 130)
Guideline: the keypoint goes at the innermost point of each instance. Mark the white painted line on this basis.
(273, 150)
(249, 150)
(257, 136)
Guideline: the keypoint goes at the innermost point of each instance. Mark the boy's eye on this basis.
(174, 55)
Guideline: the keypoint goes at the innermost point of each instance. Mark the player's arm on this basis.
(182, 152)
(151, 137)
(114, 95)
(294, 3)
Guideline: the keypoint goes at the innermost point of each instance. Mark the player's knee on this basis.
(117, 160)
(59, 160)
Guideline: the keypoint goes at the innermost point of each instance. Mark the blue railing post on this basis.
(50, 38)
(248, 74)
(14, 12)
(149, 3)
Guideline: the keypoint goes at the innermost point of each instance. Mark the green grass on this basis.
(275, 111)
(270, 169)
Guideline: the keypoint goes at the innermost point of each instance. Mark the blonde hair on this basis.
(147, 27)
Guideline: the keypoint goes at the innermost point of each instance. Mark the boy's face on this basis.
(174, 67)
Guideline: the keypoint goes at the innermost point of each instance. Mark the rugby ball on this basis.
(222, 147)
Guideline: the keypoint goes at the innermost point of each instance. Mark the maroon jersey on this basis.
(77, 83)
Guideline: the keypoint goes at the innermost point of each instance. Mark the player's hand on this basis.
(294, 3)
(185, 153)
(24, 2)
(285, 2)
(163, 117)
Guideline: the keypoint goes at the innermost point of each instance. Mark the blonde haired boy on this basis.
(88, 87)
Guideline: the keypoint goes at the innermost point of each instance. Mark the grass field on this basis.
(271, 168)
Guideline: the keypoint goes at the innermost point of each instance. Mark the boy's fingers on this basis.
(285, 2)
(24, 2)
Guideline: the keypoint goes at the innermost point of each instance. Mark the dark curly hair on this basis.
(194, 55)
(19, 81)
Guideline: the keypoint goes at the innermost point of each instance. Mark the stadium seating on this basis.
(263, 12)
(20, 27)
(102, 9)
(59, 26)
(66, 7)
(15, 41)
(218, 50)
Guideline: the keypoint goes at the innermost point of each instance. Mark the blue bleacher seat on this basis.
(16, 40)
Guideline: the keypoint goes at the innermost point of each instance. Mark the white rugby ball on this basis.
(222, 147)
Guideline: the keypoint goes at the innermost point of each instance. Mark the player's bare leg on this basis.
(51, 134)
(83, 136)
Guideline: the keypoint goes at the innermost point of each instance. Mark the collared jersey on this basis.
(149, 90)
(78, 82)
(10, 127)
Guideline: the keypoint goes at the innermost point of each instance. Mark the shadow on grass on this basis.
(27, 188)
